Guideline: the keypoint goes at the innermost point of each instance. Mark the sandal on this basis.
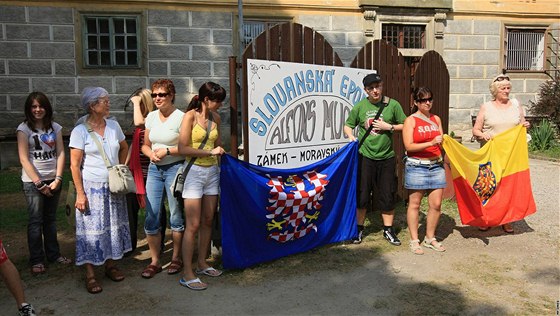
(507, 228)
(63, 260)
(38, 268)
(415, 247)
(484, 228)
(92, 286)
(174, 267)
(114, 274)
(150, 271)
(191, 284)
(432, 243)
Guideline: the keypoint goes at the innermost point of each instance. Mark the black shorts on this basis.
(377, 176)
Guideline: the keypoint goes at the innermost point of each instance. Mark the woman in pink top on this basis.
(497, 116)
(424, 172)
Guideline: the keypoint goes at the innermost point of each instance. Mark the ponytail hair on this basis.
(210, 90)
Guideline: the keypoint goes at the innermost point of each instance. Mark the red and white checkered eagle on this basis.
(292, 209)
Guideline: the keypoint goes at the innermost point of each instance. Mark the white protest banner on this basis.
(296, 112)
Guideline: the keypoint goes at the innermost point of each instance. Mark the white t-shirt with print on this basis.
(93, 165)
(42, 151)
(165, 134)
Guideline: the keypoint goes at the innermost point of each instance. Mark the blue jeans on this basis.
(41, 229)
(159, 182)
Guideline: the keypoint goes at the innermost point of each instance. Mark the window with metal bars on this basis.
(111, 42)
(404, 35)
(253, 28)
(524, 49)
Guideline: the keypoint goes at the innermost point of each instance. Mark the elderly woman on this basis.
(102, 232)
(160, 146)
(497, 116)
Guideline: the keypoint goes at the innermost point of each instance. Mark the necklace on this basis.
(96, 125)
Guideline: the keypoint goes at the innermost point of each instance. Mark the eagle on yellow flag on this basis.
(492, 185)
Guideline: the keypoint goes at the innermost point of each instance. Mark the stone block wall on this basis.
(472, 52)
(37, 52)
(344, 33)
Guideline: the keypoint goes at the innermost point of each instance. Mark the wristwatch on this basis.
(168, 152)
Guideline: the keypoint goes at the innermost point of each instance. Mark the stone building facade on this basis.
(42, 47)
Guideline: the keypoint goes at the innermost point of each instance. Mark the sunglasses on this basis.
(425, 100)
(501, 78)
(161, 95)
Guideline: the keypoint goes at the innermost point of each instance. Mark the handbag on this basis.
(179, 181)
(121, 180)
(70, 207)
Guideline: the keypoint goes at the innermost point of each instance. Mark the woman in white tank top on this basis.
(497, 116)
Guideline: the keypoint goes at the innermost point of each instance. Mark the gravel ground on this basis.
(481, 273)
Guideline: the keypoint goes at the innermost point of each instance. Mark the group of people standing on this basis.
(377, 117)
(106, 223)
(165, 137)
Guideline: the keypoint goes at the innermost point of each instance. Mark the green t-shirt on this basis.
(379, 144)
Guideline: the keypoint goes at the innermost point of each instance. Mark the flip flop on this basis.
(189, 284)
(63, 260)
(174, 267)
(150, 271)
(38, 268)
(209, 272)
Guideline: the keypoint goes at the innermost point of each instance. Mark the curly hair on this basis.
(165, 84)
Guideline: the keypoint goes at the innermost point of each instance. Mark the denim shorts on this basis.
(424, 177)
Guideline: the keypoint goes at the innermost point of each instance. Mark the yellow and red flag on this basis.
(492, 185)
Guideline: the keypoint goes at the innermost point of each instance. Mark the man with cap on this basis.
(376, 163)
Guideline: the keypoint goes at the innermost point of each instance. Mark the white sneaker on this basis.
(26, 310)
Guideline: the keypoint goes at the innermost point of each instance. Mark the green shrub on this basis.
(548, 103)
(542, 136)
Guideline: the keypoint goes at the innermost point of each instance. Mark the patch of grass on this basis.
(11, 181)
(553, 153)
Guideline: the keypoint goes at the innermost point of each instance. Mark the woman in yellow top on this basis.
(202, 183)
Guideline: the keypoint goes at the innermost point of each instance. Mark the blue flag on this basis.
(271, 213)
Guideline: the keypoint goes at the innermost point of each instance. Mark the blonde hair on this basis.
(146, 102)
(496, 85)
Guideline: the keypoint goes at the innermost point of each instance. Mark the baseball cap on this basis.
(371, 78)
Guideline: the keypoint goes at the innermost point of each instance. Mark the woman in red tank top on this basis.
(424, 172)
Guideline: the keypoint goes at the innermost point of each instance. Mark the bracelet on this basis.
(168, 152)
(39, 184)
(59, 178)
(392, 128)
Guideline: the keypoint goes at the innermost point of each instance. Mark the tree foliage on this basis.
(548, 102)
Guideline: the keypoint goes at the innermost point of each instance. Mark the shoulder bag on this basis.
(179, 181)
(121, 180)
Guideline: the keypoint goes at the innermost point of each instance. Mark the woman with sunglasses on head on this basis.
(201, 188)
(424, 172)
(160, 145)
(102, 232)
(496, 116)
(41, 154)
(142, 104)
